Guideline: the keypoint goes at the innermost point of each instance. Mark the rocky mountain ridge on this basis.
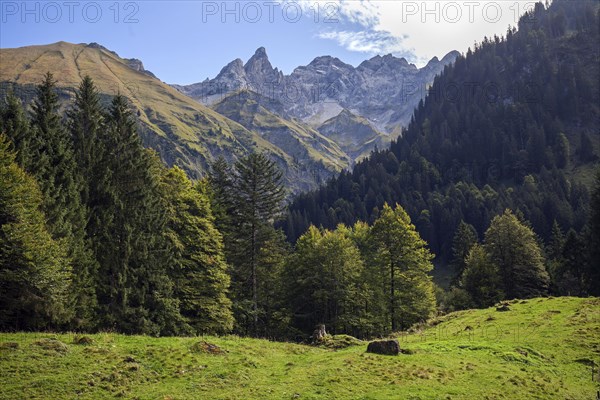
(384, 89)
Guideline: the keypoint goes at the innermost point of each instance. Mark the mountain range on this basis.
(314, 123)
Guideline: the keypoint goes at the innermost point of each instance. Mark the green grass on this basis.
(540, 349)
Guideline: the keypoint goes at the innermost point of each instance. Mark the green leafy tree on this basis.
(404, 260)
(373, 298)
(198, 268)
(274, 317)
(34, 269)
(481, 278)
(513, 247)
(323, 281)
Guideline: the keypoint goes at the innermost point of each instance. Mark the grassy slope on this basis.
(540, 349)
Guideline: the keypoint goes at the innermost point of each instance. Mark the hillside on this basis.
(512, 124)
(354, 134)
(183, 131)
(541, 348)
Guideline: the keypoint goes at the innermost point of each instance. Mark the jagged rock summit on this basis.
(383, 90)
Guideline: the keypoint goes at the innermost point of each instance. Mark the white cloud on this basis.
(371, 42)
(419, 30)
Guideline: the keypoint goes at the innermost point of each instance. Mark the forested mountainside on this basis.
(512, 124)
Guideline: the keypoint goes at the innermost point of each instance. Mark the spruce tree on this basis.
(555, 260)
(592, 272)
(53, 164)
(257, 194)
(481, 278)
(220, 185)
(464, 239)
(570, 277)
(127, 225)
(14, 124)
(85, 122)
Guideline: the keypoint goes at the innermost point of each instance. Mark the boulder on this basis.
(386, 347)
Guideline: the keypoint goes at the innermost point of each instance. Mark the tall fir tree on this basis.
(14, 124)
(53, 164)
(570, 277)
(554, 252)
(592, 272)
(481, 278)
(257, 194)
(127, 224)
(85, 122)
(464, 239)
(220, 185)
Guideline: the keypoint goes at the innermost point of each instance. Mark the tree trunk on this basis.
(392, 300)
(254, 281)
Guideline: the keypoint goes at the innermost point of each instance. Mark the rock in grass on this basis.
(386, 347)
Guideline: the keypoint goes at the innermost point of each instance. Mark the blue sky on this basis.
(187, 41)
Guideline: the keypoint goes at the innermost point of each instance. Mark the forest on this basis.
(511, 124)
(97, 234)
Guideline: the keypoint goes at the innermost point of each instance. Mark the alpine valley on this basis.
(314, 123)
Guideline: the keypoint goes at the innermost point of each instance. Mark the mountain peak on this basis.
(261, 51)
(259, 68)
(233, 71)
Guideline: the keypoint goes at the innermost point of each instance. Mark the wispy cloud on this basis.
(371, 42)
